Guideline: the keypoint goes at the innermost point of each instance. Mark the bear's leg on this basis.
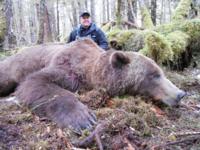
(95, 98)
(7, 85)
(42, 93)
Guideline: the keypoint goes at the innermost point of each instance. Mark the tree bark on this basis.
(45, 34)
(93, 13)
(131, 14)
(146, 17)
(10, 38)
(2, 24)
(108, 9)
(58, 20)
(104, 10)
(153, 11)
(74, 14)
(119, 13)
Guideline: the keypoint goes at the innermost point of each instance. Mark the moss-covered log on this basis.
(172, 43)
(165, 43)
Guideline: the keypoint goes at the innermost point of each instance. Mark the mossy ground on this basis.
(132, 120)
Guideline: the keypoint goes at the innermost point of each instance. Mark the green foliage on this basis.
(181, 12)
(157, 47)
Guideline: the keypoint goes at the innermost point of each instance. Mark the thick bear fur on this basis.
(47, 76)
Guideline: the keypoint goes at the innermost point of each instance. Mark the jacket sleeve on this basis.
(72, 36)
(102, 40)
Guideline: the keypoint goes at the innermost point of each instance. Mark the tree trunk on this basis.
(86, 4)
(153, 11)
(104, 10)
(108, 10)
(131, 14)
(146, 17)
(74, 15)
(181, 11)
(33, 20)
(119, 13)
(58, 20)
(2, 24)
(93, 13)
(45, 34)
(10, 38)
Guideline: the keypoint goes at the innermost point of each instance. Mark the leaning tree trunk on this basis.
(146, 17)
(45, 34)
(182, 11)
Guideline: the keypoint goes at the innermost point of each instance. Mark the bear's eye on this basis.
(156, 76)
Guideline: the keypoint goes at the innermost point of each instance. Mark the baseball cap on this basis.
(85, 13)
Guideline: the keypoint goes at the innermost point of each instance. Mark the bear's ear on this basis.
(119, 59)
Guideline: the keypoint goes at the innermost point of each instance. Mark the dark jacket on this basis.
(93, 32)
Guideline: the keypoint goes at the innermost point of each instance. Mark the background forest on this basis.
(168, 31)
(25, 22)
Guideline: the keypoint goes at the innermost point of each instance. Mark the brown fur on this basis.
(49, 74)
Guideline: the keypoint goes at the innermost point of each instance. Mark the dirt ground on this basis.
(125, 123)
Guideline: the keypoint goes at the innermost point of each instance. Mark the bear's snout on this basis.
(180, 95)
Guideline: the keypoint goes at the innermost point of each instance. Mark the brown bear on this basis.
(47, 76)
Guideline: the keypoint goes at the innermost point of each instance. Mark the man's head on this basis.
(85, 19)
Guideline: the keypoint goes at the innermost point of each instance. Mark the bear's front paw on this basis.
(79, 120)
(71, 113)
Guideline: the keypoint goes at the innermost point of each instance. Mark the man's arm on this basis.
(72, 36)
(102, 40)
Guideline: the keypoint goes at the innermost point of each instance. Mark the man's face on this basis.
(85, 21)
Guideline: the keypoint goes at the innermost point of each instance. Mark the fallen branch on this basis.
(185, 141)
(95, 135)
(187, 134)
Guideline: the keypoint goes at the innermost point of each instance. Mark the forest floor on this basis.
(131, 123)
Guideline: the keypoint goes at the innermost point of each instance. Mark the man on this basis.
(89, 29)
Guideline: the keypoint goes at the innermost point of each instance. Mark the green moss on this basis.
(113, 33)
(121, 37)
(192, 28)
(167, 28)
(146, 18)
(157, 47)
(127, 40)
(136, 122)
(135, 42)
(124, 36)
(178, 42)
(106, 27)
(182, 10)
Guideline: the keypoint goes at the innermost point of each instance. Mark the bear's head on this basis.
(132, 73)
